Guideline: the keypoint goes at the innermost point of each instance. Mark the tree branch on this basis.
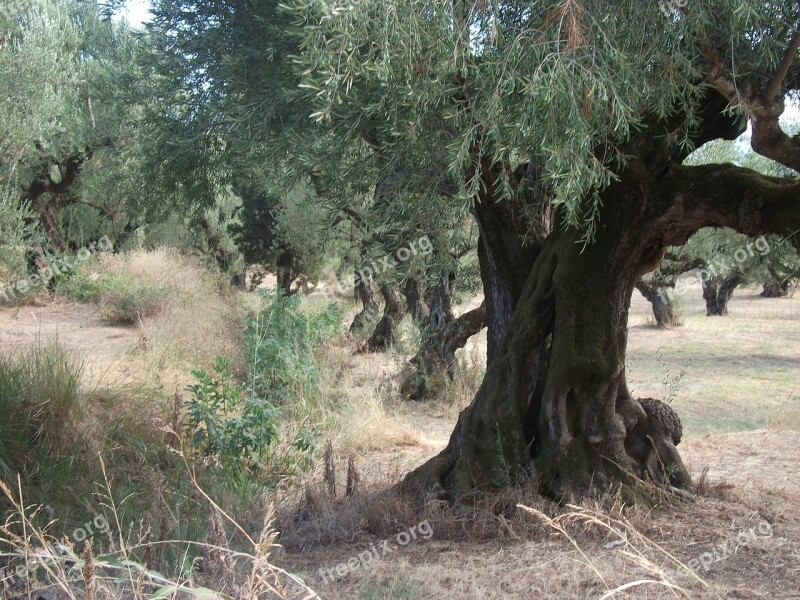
(777, 79)
(724, 195)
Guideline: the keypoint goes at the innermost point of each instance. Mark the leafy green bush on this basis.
(39, 400)
(255, 426)
(226, 424)
(280, 342)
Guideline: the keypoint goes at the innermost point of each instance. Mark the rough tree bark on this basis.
(435, 363)
(506, 252)
(385, 335)
(777, 286)
(656, 287)
(717, 291)
(366, 293)
(59, 190)
(414, 292)
(554, 402)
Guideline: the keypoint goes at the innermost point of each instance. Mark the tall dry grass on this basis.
(185, 314)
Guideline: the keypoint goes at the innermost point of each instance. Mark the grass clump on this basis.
(124, 296)
(39, 401)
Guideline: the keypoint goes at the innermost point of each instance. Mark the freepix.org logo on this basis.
(57, 266)
(375, 552)
(670, 7)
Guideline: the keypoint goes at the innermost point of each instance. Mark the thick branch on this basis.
(724, 195)
(764, 105)
(457, 332)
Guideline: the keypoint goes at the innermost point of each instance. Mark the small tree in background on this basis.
(285, 235)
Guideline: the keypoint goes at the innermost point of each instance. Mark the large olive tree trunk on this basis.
(554, 403)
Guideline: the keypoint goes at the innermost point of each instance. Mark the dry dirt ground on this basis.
(103, 350)
(736, 383)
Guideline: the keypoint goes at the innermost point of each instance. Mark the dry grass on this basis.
(197, 320)
(727, 362)
(361, 404)
(35, 562)
(495, 550)
(744, 479)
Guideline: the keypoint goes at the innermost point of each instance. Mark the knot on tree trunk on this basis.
(652, 442)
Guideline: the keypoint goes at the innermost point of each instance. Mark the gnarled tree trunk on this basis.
(435, 363)
(414, 293)
(554, 399)
(717, 291)
(385, 335)
(775, 289)
(366, 292)
(663, 310)
(554, 403)
(777, 286)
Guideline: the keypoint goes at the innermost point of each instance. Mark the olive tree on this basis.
(565, 125)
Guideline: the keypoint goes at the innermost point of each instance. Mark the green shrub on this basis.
(39, 401)
(226, 424)
(260, 426)
(280, 343)
(239, 430)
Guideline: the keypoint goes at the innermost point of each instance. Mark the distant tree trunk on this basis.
(663, 310)
(344, 266)
(775, 289)
(385, 335)
(429, 364)
(286, 274)
(777, 286)
(48, 215)
(717, 291)
(44, 184)
(223, 257)
(435, 362)
(284, 280)
(413, 291)
(366, 293)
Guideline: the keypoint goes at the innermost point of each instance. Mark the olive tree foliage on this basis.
(563, 126)
(284, 235)
(62, 117)
(226, 109)
(223, 114)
